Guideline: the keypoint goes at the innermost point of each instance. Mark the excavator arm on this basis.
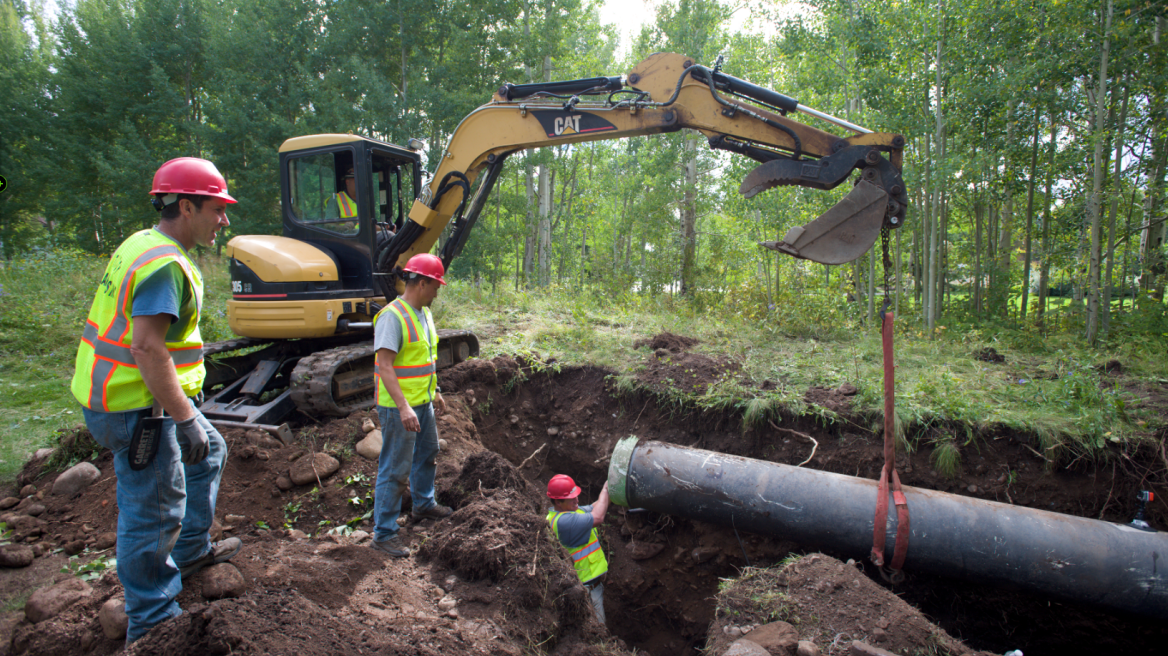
(665, 93)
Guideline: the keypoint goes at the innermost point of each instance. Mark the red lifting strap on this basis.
(880, 524)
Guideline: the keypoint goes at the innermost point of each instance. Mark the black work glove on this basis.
(192, 440)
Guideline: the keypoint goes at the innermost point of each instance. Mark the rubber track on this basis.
(227, 346)
(313, 376)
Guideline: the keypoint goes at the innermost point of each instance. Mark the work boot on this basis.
(220, 552)
(392, 546)
(436, 511)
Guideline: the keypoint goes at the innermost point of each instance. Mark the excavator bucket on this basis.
(842, 233)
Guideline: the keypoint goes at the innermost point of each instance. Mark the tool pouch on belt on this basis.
(144, 443)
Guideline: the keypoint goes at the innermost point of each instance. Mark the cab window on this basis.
(323, 194)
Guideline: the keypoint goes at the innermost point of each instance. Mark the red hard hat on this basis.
(562, 487)
(190, 175)
(427, 265)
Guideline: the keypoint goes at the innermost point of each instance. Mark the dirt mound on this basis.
(501, 537)
(829, 603)
(989, 354)
(668, 341)
(484, 372)
(285, 622)
(686, 372)
(483, 470)
(834, 399)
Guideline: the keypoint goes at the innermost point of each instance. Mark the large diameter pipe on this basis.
(1072, 558)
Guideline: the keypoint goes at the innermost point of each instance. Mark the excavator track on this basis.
(313, 380)
(229, 345)
(338, 381)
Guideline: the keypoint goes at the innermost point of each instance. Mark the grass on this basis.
(44, 299)
(1048, 387)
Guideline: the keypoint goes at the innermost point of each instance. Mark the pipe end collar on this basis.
(618, 470)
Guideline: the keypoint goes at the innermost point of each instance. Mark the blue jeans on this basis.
(165, 512)
(407, 459)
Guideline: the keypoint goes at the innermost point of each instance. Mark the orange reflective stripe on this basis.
(583, 552)
(406, 316)
(347, 210)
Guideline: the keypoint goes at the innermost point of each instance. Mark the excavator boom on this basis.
(665, 93)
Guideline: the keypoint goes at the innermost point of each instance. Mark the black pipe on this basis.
(1072, 558)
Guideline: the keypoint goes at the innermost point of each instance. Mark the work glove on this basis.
(192, 440)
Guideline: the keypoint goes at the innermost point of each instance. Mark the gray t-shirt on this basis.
(387, 334)
(575, 528)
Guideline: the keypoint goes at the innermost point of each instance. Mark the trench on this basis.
(665, 571)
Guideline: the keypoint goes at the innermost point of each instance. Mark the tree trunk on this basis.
(1093, 202)
(689, 218)
(1116, 190)
(1029, 222)
(1152, 235)
(1044, 273)
(529, 221)
(978, 217)
(1006, 236)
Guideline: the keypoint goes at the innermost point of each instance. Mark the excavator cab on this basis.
(303, 302)
(341, 196)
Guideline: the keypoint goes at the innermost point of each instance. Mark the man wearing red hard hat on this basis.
(406, 343)
(575, 527)
(139, 364)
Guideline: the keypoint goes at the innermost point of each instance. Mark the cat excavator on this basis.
(302, 303)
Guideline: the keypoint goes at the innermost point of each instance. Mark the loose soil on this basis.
(509, 428)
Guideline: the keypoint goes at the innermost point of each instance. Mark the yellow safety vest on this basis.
(588, 559)
(414, 364)
(346, 206)
(106, 377)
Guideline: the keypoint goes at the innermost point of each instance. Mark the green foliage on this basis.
(946, 457)
(88, 571)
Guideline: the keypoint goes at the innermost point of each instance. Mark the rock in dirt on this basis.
(105, 541)
(73, 548)
(75, 479)
(8, 502)
(806, 648)
(368, 425)
(297, 534)
(864, 649)
(370, 447)
(307, 470)
(358, 537)
(441, 444)
(645, 550)
(35, 510)
(16, 556)
(28, 490)
(284, 483)
(223, 580)
(744, 647)
(43, 453)
(113, 618)
(447, 602)
(776, 637)
(847, 389)
(47, 602)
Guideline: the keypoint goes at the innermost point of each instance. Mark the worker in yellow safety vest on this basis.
(346, 198)
(575, 527)
(138, 367)
(406, 344)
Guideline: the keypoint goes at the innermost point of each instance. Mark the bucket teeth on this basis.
(841, 234)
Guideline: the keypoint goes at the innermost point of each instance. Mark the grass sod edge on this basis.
(1048, 387)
